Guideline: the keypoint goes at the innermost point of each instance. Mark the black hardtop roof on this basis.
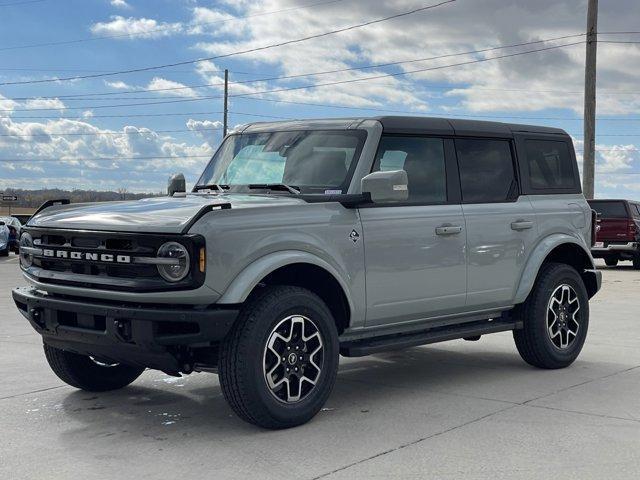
(453, 126)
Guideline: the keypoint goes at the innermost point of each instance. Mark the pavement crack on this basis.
(578, 412)
(414, 442)
(34, 391)
(586, 382)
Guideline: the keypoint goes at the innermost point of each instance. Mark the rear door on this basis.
(501, 224)
(415, 251)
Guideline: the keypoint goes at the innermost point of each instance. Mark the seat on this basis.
(320, 168)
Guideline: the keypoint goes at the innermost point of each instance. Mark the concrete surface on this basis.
(447, 411)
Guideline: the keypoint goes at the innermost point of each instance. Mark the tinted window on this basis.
(550, 164)
(486, 170)
(610, 209)
(424, 161)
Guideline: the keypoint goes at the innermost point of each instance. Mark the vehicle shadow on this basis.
(195, 406)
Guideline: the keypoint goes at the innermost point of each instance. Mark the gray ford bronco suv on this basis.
(305, 240)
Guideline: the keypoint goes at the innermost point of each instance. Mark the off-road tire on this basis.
(533, 340)
(240, 366)
(84, 373)
(611, 262)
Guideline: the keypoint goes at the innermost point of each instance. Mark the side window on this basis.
(550, 165)
(486, 170)
(424, 161)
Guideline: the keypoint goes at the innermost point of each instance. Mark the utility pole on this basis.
(226, 102)
(589, 156)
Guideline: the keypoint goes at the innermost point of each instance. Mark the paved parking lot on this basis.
(447, 411)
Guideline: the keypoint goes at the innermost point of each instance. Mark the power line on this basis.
(110, 134)
(99, 159)
(240, 52)
(154, 30)
(304, 87)
(631, 42)
(166, 114)
(418, 113)
(27, 2)
(325, 72)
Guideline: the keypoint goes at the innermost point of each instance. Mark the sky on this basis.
(133, 130)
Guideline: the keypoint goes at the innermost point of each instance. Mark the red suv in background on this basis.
(619, 235)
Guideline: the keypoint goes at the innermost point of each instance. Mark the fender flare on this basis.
(244, 283)
(537, 258)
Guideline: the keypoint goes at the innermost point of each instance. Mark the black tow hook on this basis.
(122, 330)
(37, 316)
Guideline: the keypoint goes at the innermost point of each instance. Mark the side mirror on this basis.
(177, 184)
(386, 186)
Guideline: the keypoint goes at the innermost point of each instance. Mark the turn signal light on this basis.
(203, 259)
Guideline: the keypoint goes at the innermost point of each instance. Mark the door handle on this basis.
(521, 225)
(448, 230)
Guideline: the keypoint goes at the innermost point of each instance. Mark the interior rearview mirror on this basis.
(177, 184)
(386, 187)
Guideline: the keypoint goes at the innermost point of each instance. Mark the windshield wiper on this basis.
(275, 186)
(211, 186)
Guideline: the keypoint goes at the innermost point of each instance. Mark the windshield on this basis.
(312, 161)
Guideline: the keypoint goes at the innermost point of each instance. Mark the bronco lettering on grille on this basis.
(88, 256)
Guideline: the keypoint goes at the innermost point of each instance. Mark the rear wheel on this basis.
(611, 262)
(555, 318)
(87, 373)
(279, 363)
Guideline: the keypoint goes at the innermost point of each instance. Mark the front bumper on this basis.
(152, 336)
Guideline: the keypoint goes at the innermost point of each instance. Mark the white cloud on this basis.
(118, 85)
(205, 129)
(179, 89)
(136, 27)
(120, 4)
(44, 104)
(522, 83)
(23, 142)
(214, 22)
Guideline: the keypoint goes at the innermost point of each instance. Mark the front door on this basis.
(415, 252)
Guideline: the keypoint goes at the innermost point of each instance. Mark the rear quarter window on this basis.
(550, 165)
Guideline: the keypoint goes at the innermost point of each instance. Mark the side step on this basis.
(360, 348)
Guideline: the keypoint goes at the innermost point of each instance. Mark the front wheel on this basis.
(88, 374)
(555, 318)
(278, 365)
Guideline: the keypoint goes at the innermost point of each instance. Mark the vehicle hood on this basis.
(150, 215)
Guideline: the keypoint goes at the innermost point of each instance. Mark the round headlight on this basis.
(26, 259)
(178, 268)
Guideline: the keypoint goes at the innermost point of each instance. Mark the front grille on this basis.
(90, 269)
